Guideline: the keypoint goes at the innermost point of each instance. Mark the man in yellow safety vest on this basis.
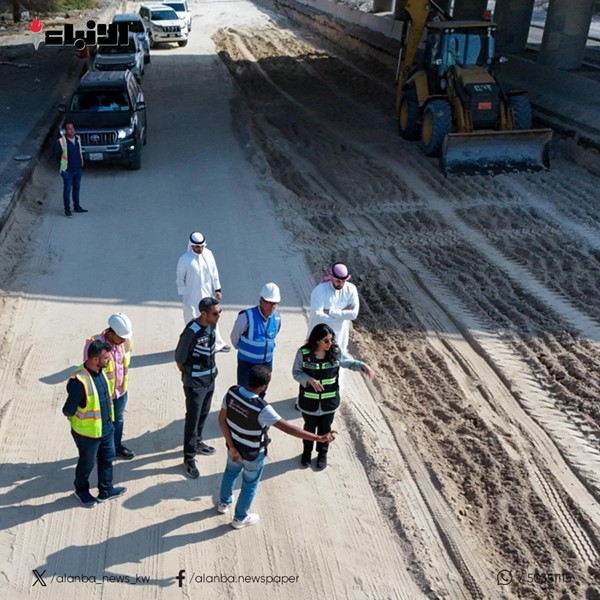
(89, 409)
(68, 150)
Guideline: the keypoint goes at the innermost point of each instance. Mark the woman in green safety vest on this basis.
(316, 368)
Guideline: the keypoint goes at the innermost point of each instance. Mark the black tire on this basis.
(521, 110)
(152, 44)
(436, 125)
(135, 164)
(409, 116)
(182, 44)
(145, 139)
(146, 59)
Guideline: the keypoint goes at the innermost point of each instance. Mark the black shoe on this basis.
(114, 493)
(68, 213)
(305, 461)
(78, 209)
(191, 470)
(124, 453)
(86, 499)
(202, 448)
(225, 348)
(321, 462)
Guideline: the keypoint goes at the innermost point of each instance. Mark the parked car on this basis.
(163, 24)
(109, 114)
(120, 58)
(136, 25)
(182, 10)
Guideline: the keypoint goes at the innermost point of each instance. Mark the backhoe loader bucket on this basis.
(494, 152)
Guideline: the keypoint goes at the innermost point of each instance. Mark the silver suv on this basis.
(136, 25)
(163, 24)
(182, 9)
(119, 58)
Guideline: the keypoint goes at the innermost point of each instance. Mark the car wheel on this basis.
(145, 135)
(183, 44)
(152, 44)
(135, 164)
(146, 58)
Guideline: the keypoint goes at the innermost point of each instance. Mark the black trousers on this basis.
(319, 425)
(197, 407)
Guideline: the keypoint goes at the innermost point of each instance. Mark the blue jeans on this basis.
(92, 450)
(119, 404)
(71, 182)
(251, 471)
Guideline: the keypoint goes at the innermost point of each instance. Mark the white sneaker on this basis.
(223, 507)
(251, 519)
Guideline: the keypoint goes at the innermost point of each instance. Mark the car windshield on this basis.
(134, 26)
(177, 6)
(100, 101)
(164, 15)
(129, 49)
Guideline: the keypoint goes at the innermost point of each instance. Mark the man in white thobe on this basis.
(197, 278)
(335, 302)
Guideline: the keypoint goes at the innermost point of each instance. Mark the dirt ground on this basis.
(470, 468)
(479, 311)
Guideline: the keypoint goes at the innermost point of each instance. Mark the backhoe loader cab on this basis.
(463, 44)
(448, 97)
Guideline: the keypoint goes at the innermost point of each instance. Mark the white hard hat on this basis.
(121, 325)
(270, 292)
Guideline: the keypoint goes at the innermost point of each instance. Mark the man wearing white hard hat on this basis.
(197, 278)
(118, 335)
(254, 333)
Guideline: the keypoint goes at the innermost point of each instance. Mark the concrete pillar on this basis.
(514, 19)
(383, 6)
(469, 10)
(565, 33)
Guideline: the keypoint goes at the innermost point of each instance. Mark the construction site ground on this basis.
(469, 468)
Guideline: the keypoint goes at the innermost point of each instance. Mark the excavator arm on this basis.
(418, 13)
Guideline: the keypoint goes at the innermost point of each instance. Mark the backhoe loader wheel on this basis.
(521, 110)
(437, 124)
(408, 116)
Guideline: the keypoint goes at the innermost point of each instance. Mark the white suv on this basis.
(182, 10)
(163, 24)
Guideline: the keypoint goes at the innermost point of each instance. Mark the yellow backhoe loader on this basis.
(449, 97)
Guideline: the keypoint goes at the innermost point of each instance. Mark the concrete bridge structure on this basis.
(565, 32)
